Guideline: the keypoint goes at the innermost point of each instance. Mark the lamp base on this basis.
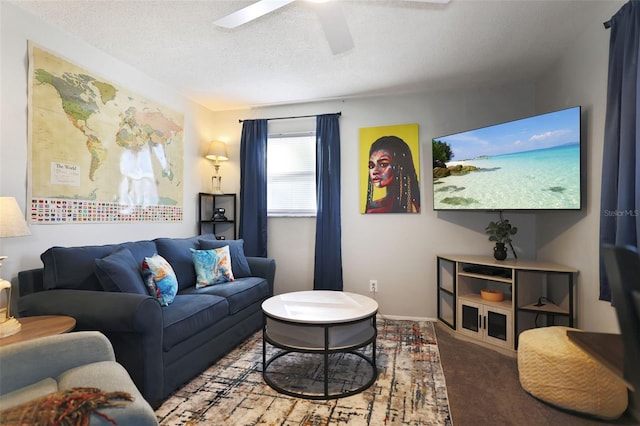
(9, 327)
(216, 187)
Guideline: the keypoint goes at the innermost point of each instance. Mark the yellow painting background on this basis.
(368, 135)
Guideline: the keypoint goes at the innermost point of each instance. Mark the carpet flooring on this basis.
(484, 390)
(410, 389)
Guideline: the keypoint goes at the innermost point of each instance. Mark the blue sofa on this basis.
(162, 347)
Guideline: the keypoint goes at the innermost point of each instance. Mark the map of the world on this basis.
(98, 152)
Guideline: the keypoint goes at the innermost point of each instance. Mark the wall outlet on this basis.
(373, 286)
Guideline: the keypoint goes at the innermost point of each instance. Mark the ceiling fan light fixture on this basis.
(335, 27)
(249, 13)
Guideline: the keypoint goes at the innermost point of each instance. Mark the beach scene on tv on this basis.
(531, 164)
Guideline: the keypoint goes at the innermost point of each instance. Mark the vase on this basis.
(500, 251)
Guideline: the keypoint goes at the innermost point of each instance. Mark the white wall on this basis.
(399, 250)
(580, 78)
(18, 27)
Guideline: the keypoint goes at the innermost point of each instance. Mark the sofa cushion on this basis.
(119, 271)
(160, 279)
(189, 314)
(140, 249)
(212, 266)
(65, 407)
(176, 251)
(239, 263)
(239, 294)
(27, 393)
(73, 267)
(110, 376)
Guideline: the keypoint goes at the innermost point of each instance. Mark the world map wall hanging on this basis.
(99, 152)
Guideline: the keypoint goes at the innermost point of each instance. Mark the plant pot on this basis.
(500, 251)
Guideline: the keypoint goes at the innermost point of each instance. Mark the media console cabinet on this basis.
(536, 294)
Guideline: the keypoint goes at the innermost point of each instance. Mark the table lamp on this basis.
(217, 152)
(12, 224)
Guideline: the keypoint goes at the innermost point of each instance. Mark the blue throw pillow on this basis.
(160, 279)
(239, 263)
(212, 266)
(119, 271)
(176, 252)
(73, 267)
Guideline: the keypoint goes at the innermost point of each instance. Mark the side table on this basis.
(40, 326)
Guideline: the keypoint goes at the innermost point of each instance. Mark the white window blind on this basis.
(291, 175)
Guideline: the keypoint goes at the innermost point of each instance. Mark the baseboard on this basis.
(403, 318)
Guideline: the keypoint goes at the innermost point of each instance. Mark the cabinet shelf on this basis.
(524, 282)
(548, 308)
(486, 277)
(447, 291)
(473, 297)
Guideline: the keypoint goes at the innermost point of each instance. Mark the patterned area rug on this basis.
(410, 389)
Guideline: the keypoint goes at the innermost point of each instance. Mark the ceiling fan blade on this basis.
(335, 26)
(250, 13)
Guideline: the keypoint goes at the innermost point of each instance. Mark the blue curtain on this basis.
(620, 196)
(253, 187)
(327, 273)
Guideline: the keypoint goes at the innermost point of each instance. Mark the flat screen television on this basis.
(533, 163)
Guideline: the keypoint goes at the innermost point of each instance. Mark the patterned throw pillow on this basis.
(160, 279)
(212, 266)
(239, 263)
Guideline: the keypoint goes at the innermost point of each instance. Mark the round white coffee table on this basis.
(319, 322)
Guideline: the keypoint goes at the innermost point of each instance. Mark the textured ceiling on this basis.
(284, 57)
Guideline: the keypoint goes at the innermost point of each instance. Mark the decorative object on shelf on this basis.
(500, 251)
(218, 215)
(12, 224)
(217, 152)
(492, 295)
(501, 232)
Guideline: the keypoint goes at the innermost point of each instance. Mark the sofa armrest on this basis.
(26, 363)
(133, 323)
(263, 267)
(97, 310)
(30, 281)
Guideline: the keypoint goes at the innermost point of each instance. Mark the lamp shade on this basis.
(12, 223)
(217, 151)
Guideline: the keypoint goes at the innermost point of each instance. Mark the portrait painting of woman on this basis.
(392, 169)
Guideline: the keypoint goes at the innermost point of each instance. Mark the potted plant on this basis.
(500, 232)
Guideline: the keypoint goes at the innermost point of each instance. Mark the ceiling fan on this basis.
(329, 13)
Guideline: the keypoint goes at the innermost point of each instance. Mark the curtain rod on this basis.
(292, 117)
(607, 25)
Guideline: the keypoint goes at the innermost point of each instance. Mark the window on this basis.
(291, 175)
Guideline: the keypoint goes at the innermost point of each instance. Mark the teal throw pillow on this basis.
(160, 279)
(212, 266)
(239, 263)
